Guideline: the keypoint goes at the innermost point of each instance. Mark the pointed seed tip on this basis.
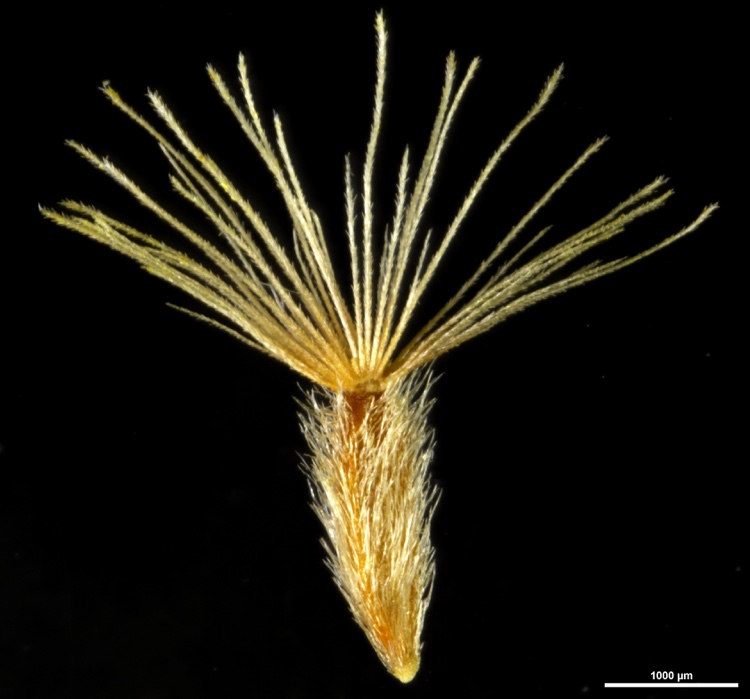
(407, 672)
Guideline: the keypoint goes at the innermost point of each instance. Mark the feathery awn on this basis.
(366, 425)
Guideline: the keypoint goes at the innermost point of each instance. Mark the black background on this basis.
(155, 537)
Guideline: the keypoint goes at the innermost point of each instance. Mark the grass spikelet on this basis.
(366, 422)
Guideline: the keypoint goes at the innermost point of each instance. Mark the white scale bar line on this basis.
(671, 684)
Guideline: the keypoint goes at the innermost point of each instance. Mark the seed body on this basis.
(368, 472)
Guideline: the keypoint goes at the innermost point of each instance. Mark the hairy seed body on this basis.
(368, 470)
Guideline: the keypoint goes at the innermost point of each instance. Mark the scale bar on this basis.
(671, 684)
